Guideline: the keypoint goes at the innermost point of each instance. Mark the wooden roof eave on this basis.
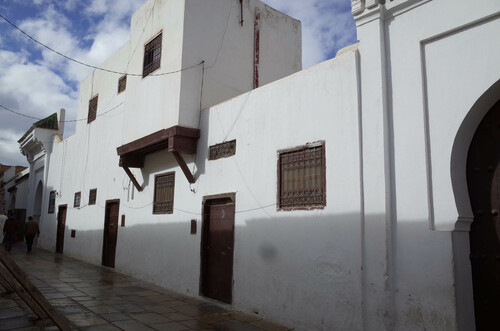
(177, 139)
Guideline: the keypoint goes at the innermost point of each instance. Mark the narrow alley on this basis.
(97, 298)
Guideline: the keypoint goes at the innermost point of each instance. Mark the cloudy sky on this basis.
(36, 82)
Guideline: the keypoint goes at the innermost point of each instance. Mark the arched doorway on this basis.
(483, 180)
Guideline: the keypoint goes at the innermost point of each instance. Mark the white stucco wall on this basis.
(213, 33)
(385, 253)
(431, 76)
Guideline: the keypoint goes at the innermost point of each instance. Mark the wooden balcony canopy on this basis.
(177, 139)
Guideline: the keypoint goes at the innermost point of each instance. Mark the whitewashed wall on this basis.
(432, 61)
(387, 252)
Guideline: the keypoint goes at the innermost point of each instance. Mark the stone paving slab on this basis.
(97, 298)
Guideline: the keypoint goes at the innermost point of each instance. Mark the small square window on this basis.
(92, 109)
(152, 56)
(92, 196)
(301, 177)
(52, 202)
(122, 83)
(164, 193)
(76, 201)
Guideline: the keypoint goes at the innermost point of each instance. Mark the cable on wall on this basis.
(86, 64)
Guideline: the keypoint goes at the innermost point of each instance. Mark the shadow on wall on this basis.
(293, 269)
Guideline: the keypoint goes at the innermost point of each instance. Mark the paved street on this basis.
(97, 298)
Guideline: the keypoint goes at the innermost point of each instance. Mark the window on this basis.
(122, 83)
(301, 177)
(164, 193)
(152, 56)
(92, 196)
(92, 109)
(225, 149)
(76, 201)
(52, 202)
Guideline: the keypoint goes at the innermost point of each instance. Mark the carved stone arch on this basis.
(465, 316)
(459, 154)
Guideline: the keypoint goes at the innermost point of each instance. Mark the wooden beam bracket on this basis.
(132, 178)
(184, 167)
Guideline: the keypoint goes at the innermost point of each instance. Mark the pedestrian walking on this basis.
(3, 218)
(9, 230)
(30, 231)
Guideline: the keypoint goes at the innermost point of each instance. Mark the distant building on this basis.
(10, 177)
(359, 194)
(35, 144)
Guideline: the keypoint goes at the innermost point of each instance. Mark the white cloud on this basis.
(47, 83)
(327, 25)
(11, 154)
(30, 89)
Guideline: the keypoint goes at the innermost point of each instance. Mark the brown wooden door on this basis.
(483, 179)
(217, 250)
(61, 226)
(110, 233)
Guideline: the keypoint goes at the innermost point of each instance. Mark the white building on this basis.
(35, 144)
(336, 198)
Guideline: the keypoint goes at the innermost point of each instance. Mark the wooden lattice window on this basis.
(76, 201)
(301, 177)
(225, 149)
(92, 109)
(92, 196)
(52, 202)
(164, 193)
(152, 56)
(122, 83)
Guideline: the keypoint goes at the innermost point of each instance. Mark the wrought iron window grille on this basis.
(164, 193)
(222, 150)
(302, 177)
(152, 55)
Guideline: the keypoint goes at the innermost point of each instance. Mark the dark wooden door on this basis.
(61, 226)
(217, 250)
(483, 179)
(110, 233)
(20, 216)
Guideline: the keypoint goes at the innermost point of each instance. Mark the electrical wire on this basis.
(50, 142)
(65, 121)
(86, 64)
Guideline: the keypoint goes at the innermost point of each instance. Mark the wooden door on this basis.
(483, 179)
(110, 233)
(20, 216)
(217, 250)
(61, 227)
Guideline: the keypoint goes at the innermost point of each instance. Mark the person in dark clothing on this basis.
(9, 229)
(30, 231)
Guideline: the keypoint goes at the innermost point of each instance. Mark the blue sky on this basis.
(37, 82)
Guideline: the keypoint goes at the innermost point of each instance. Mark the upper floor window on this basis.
(92, 196)
(164, 193)
(92, 109)
(301, 177)
(122, 83)
(52, 202)
(76, 201)
(152, 56)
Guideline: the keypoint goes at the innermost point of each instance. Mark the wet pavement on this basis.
(97, 298)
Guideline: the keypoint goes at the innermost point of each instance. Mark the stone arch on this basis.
(460, 150)
(460, 235)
